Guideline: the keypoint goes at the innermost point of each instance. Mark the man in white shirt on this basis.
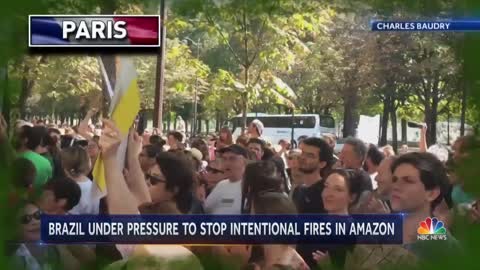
(226, 197)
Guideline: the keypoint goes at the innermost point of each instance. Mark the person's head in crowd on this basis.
(255, 129)
(462, 145)
(353, 154)
(331, 140)
(251, 156)
(29, 219)
(20, 124)
(374, 157)
(197, 158)
(234, 160)
(316, 157)
(201, 145)
(35, 139)
(224, 138)
(212, 139)
(341, 191)
(261, 176)
(214, 173)
(301, 139)
(277, 256)
(420, 183)
(281, 173)
(76, 162)
(273, 203)
(174, 140)
(55, 135)
(59, 196)
(292, 158)
(384, 178)
(388, 151)
(404, 149)
(148, 156)
(157, 140)
(24, 173)
(40, 123)
(171, 178)
(284, 144)
(242, 140)
(93, 149)
(257, 146)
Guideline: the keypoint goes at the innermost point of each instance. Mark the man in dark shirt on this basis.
(314, 163)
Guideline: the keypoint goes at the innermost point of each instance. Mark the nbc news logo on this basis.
(431, 229)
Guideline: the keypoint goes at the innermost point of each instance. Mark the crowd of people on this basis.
(52, 173)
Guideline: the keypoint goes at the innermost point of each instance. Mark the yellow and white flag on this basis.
(124, 107)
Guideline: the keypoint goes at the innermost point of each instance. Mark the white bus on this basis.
(279, 126)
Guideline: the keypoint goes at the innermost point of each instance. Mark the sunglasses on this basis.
(213, 170)
(154, 179)
(25, 219)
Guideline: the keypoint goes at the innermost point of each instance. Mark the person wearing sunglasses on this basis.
(171, 179)
(29, 254)
(213, 174)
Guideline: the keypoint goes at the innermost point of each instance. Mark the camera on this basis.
(414, 125)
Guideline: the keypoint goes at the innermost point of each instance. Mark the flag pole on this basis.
(159, 82)
(105, 76)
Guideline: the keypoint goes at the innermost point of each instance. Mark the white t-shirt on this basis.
(225, 198)
(374, 182)
(89, 203)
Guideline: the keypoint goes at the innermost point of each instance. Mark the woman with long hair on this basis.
(225, 138)
(171, 179)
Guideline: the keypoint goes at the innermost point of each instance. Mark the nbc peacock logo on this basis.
(431, 229)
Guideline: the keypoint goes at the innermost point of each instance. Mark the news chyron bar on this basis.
(427, 26)
(92, 32)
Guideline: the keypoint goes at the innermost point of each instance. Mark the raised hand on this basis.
(319, 256)
(134, 143)
(424, 128)
(83, 128)
(110, 139)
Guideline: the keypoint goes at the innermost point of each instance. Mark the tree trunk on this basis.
(199, 126)
(160, 76)
(169, 122)
(175, 123)
(244, 111)
(393, 116)
(404, 131)
(5, 99)
(464, 109)
(217, 121)
(350, 106)
(25, 92)
(207, 122)
(384, 125)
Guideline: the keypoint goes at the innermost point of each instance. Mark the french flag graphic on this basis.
(47, 31)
